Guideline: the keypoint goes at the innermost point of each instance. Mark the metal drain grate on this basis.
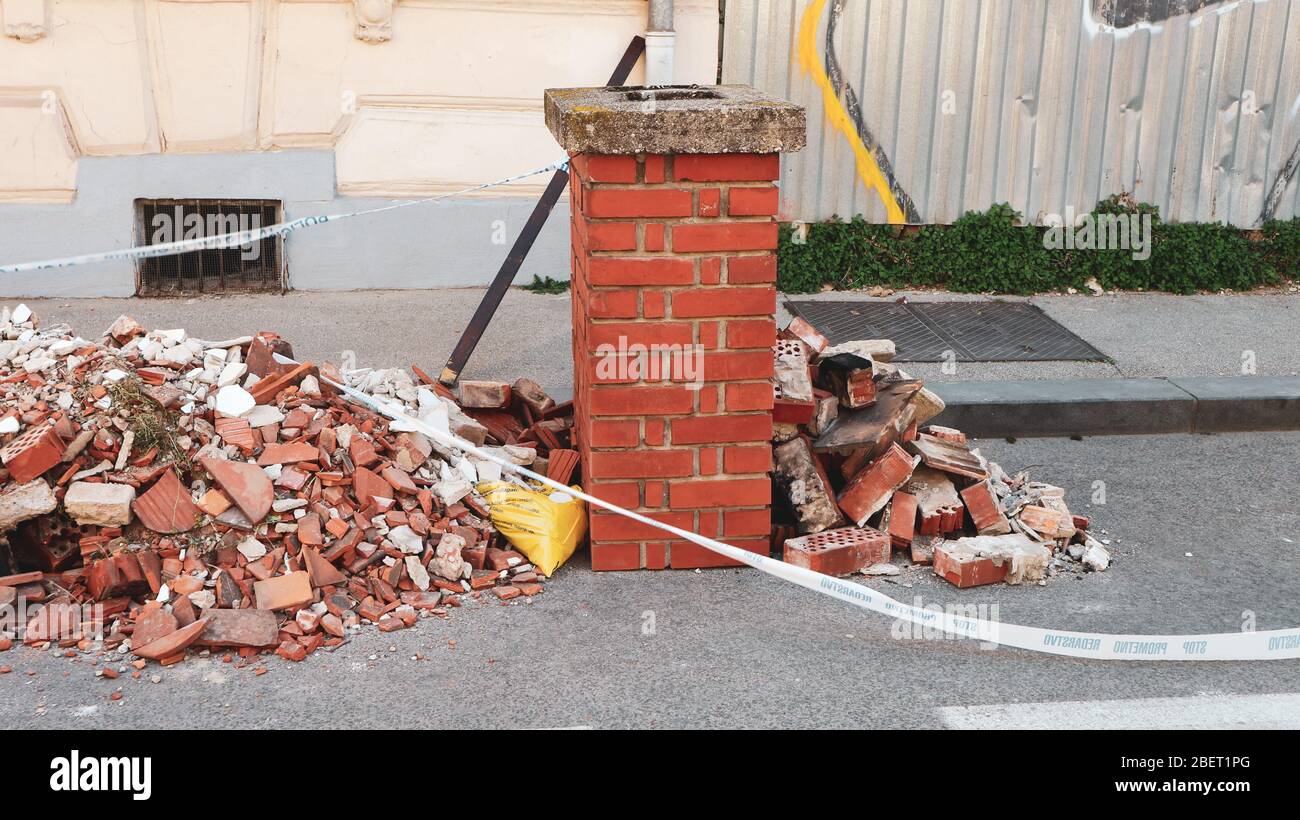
(257, 267)
(987, 331)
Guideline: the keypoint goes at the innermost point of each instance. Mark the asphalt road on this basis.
(1205, 530)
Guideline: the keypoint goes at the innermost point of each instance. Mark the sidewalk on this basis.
(1147, 335)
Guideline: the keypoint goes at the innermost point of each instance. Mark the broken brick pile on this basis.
(209, 495)
(862, 474)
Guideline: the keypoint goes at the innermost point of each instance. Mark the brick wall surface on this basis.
(675, 250)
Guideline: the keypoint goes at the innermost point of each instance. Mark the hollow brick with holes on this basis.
(838, 552)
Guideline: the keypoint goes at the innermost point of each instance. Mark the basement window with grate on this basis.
(257, 267)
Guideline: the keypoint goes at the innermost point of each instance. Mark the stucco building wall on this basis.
(326, 105)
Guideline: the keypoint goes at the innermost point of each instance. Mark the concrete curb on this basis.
(1101, 407)
(1044, 408)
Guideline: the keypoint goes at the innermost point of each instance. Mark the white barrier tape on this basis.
(1275, 644)
(241, 238)
(1269, 645)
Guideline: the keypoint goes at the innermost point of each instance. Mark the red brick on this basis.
(292, 651)
(753, 201)
(790, 411)
(605, 168)
(656, 556)
(971, 571)
(32, 453)
(710, 202)
(747, 459)
(729, 366)
(643, 463)
(751, 270)
(725, 236)
(619, 271)
(611, 236)
(946, 433)
(654, 493)
(614, 527)
(700, 302)
(711, 270)
(984, 510)
(654, 169)
(902, 520)
(654, 432)
(751, 333)
(871, 488)
(708, 400)
(612, 304)
(619, 400)
(709, 335)
(608, 433)
(838, 552)
(633, 202)
(654, 237)
(749, 396)
(283, 591)
(689, 555)
(624, 494)
(726, 167)
(652, 304)
(614, 557)
(624, 334)
(721, 429)
(746, 522)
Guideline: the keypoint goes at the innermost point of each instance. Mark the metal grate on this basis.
(985, 331)
(258, 267)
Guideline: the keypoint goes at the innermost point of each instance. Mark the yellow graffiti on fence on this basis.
(838, 117)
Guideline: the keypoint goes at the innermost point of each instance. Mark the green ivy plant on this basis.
(545, 284)
(1280, 246)
(994, 252)
(1114, 268)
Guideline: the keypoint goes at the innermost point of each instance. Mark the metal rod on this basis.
(473, 332)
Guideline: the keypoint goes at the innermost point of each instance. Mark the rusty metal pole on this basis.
(523, 244)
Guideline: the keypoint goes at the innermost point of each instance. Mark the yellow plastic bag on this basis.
(544, 525)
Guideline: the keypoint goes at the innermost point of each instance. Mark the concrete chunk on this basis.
(103, 505)
(26, 501)
(720, 119)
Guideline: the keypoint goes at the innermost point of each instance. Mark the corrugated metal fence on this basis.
(920, 110)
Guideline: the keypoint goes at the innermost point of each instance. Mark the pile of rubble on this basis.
(159, 492)
(863, 473)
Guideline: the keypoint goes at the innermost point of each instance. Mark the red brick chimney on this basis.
(674, 234)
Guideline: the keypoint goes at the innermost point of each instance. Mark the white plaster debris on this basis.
(234, 401)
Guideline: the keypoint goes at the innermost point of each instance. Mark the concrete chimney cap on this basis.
(718, 119)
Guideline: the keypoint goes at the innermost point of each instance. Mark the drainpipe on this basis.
(659, 43)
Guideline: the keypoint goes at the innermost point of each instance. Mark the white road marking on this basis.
(1280, 711)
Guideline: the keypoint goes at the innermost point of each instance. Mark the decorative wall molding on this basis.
(24, 20)
(374, 20)
(38, 117)
(455, 100)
